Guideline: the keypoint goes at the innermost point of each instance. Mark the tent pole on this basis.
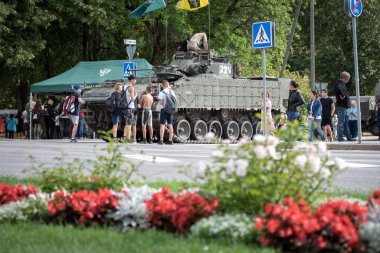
(30, 116)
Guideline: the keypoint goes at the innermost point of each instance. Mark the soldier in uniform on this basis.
(197, 42)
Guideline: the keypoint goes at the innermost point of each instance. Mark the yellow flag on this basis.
(192, 5)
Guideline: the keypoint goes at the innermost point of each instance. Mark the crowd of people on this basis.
(48, 122)
(165, 97)
(331, 121)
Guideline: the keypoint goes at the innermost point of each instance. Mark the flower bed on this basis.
(334, 226)
(277, 182)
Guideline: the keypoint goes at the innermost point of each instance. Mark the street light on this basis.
(131, 47)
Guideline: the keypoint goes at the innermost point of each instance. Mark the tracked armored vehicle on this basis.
(211, 96)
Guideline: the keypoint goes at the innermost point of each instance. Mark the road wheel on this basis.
(246, 130)
(182, 129)
(231, 130)
(198, 130)
(215, 127)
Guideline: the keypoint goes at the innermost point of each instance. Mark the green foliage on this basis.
(107, 171)
(31, 238)
(264, 171)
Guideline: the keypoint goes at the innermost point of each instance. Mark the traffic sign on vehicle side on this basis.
(129, 68)
(263, 35)
(356, 7)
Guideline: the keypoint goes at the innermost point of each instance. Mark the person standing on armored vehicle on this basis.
(129, 112)
(197, 42)
(146, 119)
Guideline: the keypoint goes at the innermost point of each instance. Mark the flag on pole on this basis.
(192, 5)
(148, 6)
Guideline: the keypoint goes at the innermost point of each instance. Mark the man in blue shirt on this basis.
(75, 114)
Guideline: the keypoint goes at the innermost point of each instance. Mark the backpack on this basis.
(112, 101)
(123, 102)
(69, 104)
(170, 104)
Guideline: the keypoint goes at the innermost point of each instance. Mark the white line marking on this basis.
(155, 159)
(360, 165)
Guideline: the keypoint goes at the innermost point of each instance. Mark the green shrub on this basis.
(107, 171)
(246, 177)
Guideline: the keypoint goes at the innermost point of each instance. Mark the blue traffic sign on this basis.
(356, 7)
(263, 35)
(129, 68)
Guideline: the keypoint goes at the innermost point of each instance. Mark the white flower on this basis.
(230, 167)
(271, 150)
(340, 164)
(302, 146)
(218, 153)
(202, 168)
(315, 163)
(132, 211)
(210, 136)
(301, 161)
(223, 175)
(273, 140)
(260, 151)
(322, 146)
(325, 173)
(259, 138)
(241, 171)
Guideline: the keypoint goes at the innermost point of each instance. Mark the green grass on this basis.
(33, 238)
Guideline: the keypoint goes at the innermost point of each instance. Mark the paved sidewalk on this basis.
(370, 143)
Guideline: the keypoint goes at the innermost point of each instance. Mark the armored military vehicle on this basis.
(211, 96)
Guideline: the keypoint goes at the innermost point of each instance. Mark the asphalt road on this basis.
(363, 173)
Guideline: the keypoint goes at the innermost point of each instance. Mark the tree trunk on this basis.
(85, 38)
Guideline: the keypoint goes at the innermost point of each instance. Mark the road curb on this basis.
(353, 146)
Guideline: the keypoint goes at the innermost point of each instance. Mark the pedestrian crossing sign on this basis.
(263, 35)
(129, 68)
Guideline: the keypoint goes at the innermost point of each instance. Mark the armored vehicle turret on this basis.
(211, 96)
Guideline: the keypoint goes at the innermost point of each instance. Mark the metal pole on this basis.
(30, 116)
(291, 37)
(265, 92)
(312, 46)
(166, 38)
(357, 77)
(209, 21)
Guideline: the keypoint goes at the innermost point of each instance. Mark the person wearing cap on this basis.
(129, 113)
(75, 115)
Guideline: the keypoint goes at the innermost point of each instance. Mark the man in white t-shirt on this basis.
(130, 117)
(164, 116)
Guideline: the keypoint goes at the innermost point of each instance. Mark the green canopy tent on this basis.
(89, 74)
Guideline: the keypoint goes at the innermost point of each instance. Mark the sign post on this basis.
(263, 36)
(354, 9)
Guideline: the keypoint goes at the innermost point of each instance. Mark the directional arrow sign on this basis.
(356, 7)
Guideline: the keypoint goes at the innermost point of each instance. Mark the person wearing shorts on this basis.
(75, 114)
(130, 117)
(116, 113)
(328, 109)
(146, 119)
(165, 118)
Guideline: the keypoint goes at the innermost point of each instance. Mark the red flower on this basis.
(10, 193)
(259, 223)
(178, 213)
(83, 207)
